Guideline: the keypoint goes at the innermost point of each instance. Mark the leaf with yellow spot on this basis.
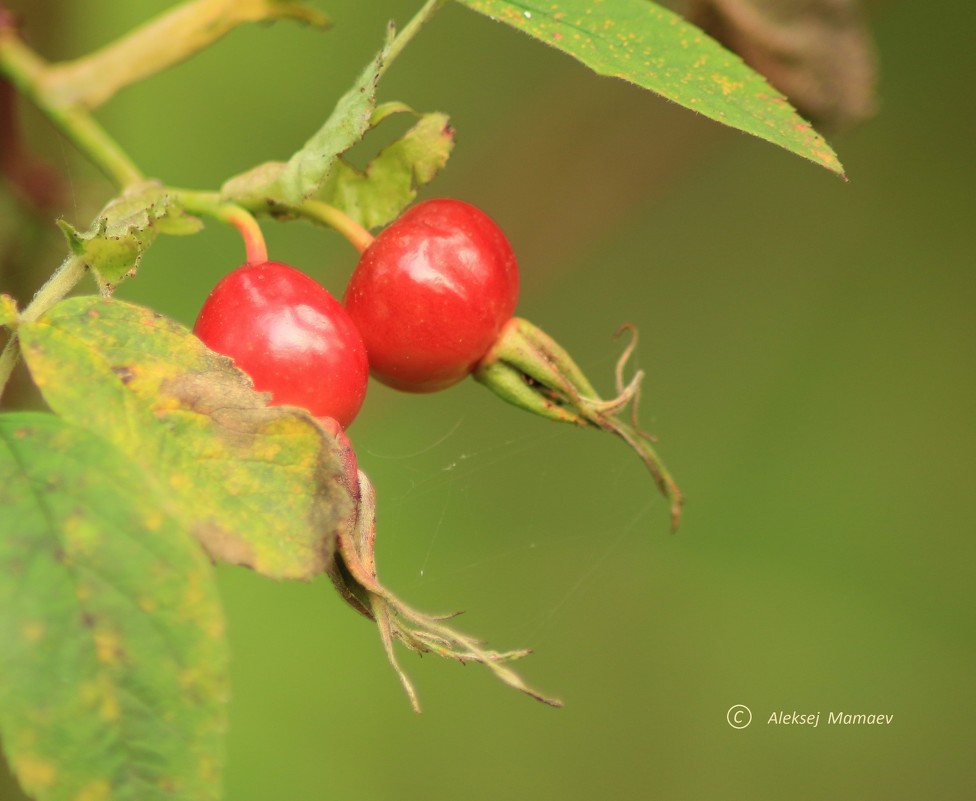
(258, 485)
(112, 684)
(8, 310)
(654, 48)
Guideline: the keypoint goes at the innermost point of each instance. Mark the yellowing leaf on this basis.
(257, 485)
(8, 310)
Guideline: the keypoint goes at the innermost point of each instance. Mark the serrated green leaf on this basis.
(113, 246)
(376, 195)
(8, 310)
(257, 485)
(391, 180)
(641, 42)
(299, 178)
(113, 663)
(309, 167)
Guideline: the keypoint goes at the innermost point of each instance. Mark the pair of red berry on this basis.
(427, 301)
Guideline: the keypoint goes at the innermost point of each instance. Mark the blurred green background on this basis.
(809, 348)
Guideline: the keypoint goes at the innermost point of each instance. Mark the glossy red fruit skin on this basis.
(292, 337)
(431, 294)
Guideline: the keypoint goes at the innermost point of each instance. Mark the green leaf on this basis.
(113, 663)
(305, 172)
(641, 42)
(349, 121)
(374, 196)
(391, 180)
(256, 188)
(257, 485)
(113, 246)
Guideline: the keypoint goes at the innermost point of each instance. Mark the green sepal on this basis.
(514, 385)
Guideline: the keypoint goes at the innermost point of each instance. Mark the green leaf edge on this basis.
(803, 141)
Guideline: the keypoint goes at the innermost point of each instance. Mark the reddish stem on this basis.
(255, 248)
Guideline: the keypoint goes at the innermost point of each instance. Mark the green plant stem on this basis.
(321, 212)
(168, 39)
(357, 235)
(67, 276)
(410, 30)
(28, 71)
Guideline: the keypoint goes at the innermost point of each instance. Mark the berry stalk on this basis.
(211, 204)
(326, 214)
(255, 248)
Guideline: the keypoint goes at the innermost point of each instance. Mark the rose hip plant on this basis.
(165, 450)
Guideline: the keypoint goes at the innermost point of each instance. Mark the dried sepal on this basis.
(353, 572)
(529, 369)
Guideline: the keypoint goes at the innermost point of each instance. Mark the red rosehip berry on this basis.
(431, 294)
(290, 336)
